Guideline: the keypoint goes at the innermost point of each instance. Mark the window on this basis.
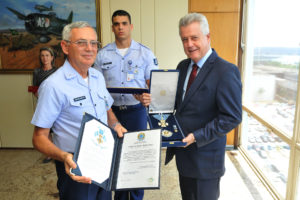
(271, 59)
(269, 152)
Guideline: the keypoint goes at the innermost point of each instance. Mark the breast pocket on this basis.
(78, 108)
(137, 68)
(109, 70)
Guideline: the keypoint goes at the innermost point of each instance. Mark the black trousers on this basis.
(199, 189)
(72, 190)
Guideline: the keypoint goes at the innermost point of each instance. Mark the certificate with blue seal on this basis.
(131, 162)
(161, 112)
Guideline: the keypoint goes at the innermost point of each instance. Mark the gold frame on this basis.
(98, 20)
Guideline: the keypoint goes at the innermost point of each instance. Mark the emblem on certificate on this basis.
(141, 136)
(163, 93)
(100, 139)
(99, 136)
(166, 133)
(150, 180)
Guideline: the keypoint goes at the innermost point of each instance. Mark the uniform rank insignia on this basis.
(155, 61)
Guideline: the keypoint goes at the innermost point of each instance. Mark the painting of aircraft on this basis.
(43, 24)
(28, 25)
(42, 8)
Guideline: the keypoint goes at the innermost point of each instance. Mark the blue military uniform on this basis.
(63, 99)
(130, 70)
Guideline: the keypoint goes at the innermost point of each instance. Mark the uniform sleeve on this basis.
(108, 98)
(48, 107)
(152, 63)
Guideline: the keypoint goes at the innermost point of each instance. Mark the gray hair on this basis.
(66, 33)
(195, 17)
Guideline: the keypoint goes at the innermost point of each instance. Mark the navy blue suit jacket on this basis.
(211, 108)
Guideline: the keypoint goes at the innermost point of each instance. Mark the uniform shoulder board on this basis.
(144, 46)
(106, 46)
(155, 61)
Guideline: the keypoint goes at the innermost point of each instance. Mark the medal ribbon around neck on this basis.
(162, 119)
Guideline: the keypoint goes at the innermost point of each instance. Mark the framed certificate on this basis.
(131, 162)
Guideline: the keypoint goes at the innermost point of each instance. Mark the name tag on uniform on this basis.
(130, 76)
(108, 63)
(79, 98)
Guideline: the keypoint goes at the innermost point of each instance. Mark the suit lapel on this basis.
(182, 75)
(201, 76)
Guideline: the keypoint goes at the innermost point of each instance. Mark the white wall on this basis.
(16, 108)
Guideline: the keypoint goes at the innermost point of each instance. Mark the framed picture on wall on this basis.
(28, 25)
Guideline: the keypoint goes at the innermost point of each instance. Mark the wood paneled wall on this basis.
(224, 21)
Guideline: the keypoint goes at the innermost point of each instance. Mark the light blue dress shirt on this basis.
(63, 99)
(131, 70)
(190, 68)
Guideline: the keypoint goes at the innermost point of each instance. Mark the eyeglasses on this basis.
(84, 43)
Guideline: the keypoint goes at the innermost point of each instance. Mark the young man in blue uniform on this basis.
(75, 88)
(126, 63)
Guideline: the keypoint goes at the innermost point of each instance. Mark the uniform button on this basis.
(122, 82)
(95, 104)
(122, 70)
(80, 104)
(122, 58)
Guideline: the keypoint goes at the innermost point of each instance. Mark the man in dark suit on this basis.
(208, 106)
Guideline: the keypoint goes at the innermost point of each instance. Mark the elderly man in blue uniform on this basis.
(126, 63)
(75, 88)
(208, 106)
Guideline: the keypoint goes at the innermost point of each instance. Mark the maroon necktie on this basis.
(192, 76)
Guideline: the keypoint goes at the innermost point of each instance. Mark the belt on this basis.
(127, 107)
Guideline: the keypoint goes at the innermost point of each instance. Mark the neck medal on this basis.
(162, 119)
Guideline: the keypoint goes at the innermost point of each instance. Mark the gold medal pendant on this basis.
(162, 119)
(163, 122)
(166, 133)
